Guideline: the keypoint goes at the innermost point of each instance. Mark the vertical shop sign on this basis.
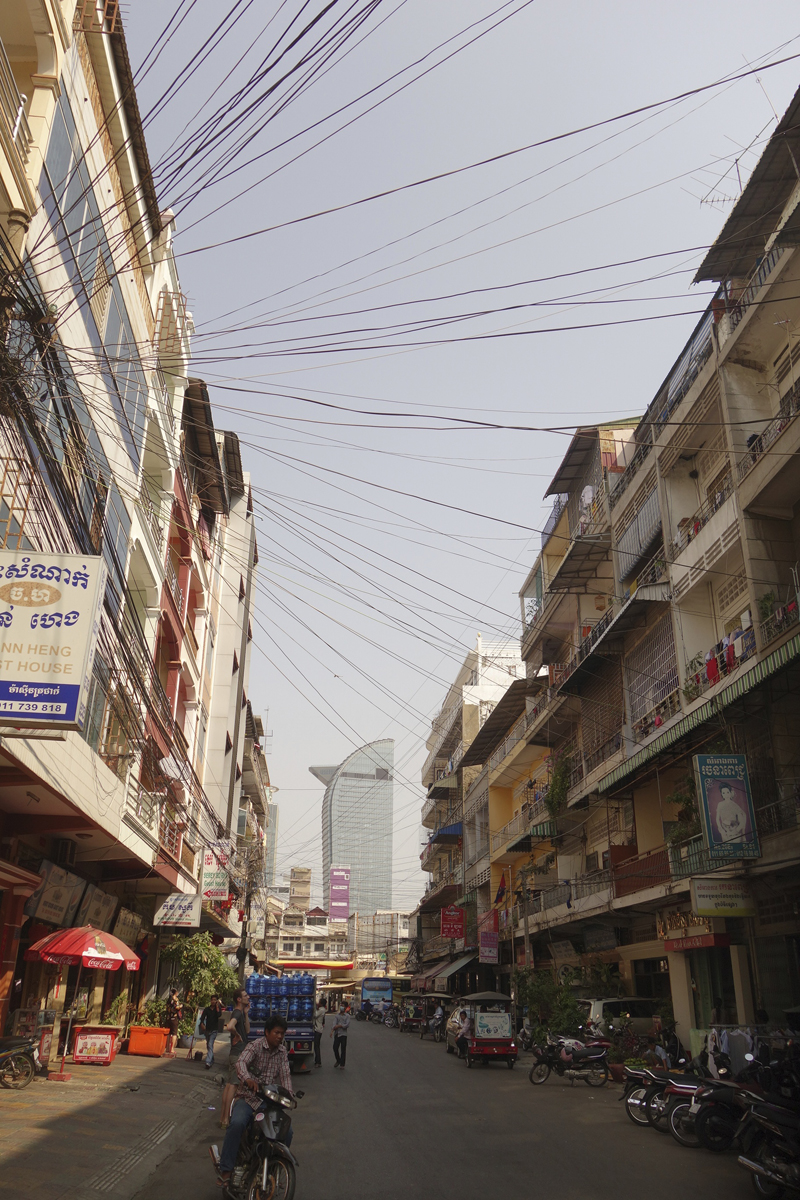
(726, 806)
(50, 608)
(339, 905)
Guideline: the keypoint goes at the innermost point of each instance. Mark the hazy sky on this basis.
(370, 593)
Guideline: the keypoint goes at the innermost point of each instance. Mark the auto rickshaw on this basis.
(431, 1002)
(491, 1034)
(412, 1012)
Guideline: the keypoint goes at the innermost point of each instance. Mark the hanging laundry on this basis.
(712, 668)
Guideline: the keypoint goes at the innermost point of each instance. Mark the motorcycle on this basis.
(435, 1027)
(391, 1019)
(573, 1061)
(772, 1151)
(265, 1166)
(19, 1060)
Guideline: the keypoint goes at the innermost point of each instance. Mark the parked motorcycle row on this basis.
(703, 1105)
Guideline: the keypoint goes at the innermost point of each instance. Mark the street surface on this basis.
(405, 1120)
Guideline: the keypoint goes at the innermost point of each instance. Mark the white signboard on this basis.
(49, 623)
(58, 896)
(722, 898)
(127, 927)
(181, 910)
(215, 877)
(97, 908)
(493, 1025)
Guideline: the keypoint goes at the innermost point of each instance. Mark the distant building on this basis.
(300, 888)
(377, 933)
(357, 824)
(272, 844)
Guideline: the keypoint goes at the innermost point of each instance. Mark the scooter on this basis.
(588, 1063)
(19, 1059)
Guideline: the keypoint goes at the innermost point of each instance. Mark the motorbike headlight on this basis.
(272, 1094)
(286, 1102)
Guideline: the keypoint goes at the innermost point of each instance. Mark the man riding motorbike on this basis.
(262, 1062)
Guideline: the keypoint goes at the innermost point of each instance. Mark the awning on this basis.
(745, 683)
(508, 709)
(420, 980)
(327, 964)
(440, 788)
(447, 833)
(454, 967)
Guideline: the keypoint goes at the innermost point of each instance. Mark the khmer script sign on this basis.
(49, 624)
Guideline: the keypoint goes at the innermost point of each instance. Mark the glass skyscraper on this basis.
(357, 813)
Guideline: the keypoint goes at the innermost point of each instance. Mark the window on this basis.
(202, 730)
(212, 633)
(591, 862)
(319, 947)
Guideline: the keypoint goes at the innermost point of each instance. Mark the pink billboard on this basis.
(339, 904)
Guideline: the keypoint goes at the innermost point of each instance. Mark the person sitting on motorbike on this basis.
(262, 1062)
(366, 1007)
(438, 1016)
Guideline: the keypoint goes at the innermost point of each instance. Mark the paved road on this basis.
(405, 1119)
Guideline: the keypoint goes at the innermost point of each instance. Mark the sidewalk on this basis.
(106, 1130)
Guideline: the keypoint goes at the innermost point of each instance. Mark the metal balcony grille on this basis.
(652, 671)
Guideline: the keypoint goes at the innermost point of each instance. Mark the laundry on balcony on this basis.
(448, 834)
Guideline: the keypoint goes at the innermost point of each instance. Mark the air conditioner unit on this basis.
(65, 852)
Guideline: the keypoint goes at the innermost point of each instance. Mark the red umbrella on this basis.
(84, 947)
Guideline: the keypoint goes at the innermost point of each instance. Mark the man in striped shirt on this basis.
(262, 1062)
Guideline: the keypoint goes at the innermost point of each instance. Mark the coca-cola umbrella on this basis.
(84, 947)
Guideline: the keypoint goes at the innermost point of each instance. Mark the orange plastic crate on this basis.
(148, 1040)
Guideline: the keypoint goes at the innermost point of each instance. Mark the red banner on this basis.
(452, 922)
(700, 942)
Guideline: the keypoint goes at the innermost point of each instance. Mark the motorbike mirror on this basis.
(299, 1095)
(750, 1058)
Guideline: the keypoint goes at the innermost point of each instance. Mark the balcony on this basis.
(555, 516)
(16, 130)
(657, 716)
(736, 309)
(176, 591)
(170, 836)
(768, 482)
(143, 808)
(148, 512)
(515, 735)
(442, 727)
(783, 618)
(707, 669)
(689, 527)
(641, 871)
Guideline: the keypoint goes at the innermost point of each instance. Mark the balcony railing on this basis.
(515, 734)
(655, 717)
(143, 806)
(643, 871)
(588, 643)
(12, 107)
(443, 732)
(169, 836)
(782, 619)
(704, 672)
(173, 585)
(774, 818)
(535, 610)
(149, 514)
(555, 515)
(513, 827)
(787, 411)
(737, 308)
(603, 753)
(689, 527)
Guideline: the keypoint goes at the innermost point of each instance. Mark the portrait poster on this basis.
(726, 806)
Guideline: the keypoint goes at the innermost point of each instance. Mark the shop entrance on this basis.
(712, 978)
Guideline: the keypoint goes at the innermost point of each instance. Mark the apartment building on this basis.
(108, 451)
(298, 939)
(659, 624)
(454, 835)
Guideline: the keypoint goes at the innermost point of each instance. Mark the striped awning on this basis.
(734, 691)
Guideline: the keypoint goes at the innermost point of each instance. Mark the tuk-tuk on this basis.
(491, 1035)
(413, 1014)
(429, 1025)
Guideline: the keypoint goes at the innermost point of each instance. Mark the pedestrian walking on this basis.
(319, 1025)
(173, 1016)
(238, 1026)
(339, 1035)
(209, 1027)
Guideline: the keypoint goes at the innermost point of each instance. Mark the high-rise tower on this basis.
(357, 824)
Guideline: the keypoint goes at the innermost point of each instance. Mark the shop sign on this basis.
(493, 1025)
(127, 927)
(726, 806)
(215, 885)
(339, 892)
(181, 910)
(488, 951)
(702, 942)
(49, 624)
(57, 898)
(488, 921)
(564, 952)
(452, 922)
(97, 909)
(722, 898)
